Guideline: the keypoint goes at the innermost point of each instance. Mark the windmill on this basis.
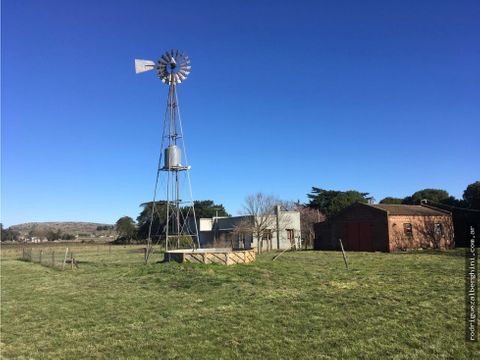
(173, 169)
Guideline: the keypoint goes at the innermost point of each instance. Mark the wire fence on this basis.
(74, 257)
(57, 259)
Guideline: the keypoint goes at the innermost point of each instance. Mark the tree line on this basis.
(331, 202)
(130, 230)
(469, 200)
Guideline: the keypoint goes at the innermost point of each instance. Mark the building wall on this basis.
(205, 230)
(229, 239)
(365, 228)
(222, 232)
(205, 224)
(289, 220)
(423, 234)
(463, 221)
(370, 226)
(323, 237)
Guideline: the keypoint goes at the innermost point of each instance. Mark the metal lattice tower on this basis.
(173, 169)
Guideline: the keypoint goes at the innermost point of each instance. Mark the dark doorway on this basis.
(359, 237)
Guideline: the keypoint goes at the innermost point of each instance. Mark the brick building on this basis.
(365, 227)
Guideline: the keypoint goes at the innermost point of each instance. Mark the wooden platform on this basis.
(212, 256)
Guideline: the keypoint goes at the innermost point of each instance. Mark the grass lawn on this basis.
(304, 305)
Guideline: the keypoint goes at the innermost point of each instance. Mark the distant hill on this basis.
(68, 227)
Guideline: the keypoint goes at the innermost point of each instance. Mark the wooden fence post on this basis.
(71, 260)
(277, 256)
(40, 256)
(53, 258)
(343, 253)
(65, 258)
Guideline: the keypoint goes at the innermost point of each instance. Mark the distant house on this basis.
(388, 228)
(222, 232)
(35, 239)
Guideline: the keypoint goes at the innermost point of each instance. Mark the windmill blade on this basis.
(172, 67)
(143, 65)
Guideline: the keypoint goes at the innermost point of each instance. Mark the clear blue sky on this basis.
(375, 96)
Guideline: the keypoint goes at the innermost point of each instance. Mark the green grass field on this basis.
(304, 305)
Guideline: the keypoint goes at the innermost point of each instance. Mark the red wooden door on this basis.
(365, 237)
(359, 237)
(352, 237)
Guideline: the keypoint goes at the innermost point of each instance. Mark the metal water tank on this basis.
(173, 156)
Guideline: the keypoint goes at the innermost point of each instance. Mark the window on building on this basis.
(437, 229)
(290, 234)
(407, 229)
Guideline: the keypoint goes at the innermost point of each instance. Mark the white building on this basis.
(282, 231)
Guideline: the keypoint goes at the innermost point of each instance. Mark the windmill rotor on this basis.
(173, 67)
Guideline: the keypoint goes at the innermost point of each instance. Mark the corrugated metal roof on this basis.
(394, 209)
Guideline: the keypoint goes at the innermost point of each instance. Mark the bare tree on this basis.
(261, 219)
(425, 233)
(435, 232)
(242, 230)
(308, 218)
(400, 238)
